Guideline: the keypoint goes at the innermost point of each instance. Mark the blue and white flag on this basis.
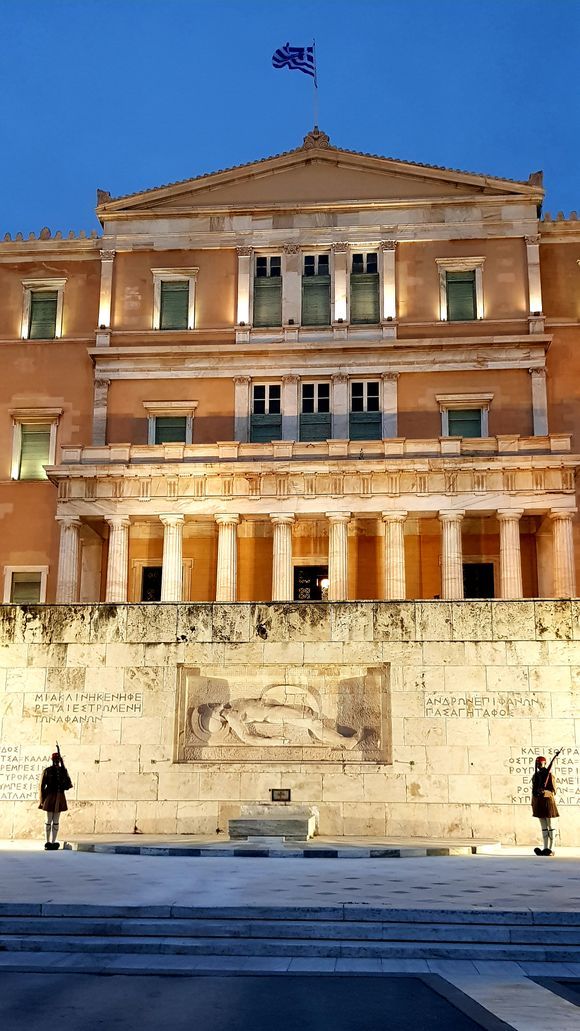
(298, 59)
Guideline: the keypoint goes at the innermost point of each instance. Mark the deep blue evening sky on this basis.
(128, 94)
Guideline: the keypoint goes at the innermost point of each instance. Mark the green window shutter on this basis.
(364, 298)
(316, 300)
(314, 426)
(365, 426)
(34, 452)
(174, 304)
(461, 305)
(170, 429)
(25, 588)
(264, 428)
(464, 422)
(268, 301)
(43, 305)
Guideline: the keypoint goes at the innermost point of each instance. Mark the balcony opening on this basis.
(310, 583)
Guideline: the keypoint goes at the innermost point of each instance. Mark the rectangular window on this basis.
(461, 296)
(364, 289)
(266, 420)
(268, 291)
(43, 314)
(174, 313)
(464, 422)
(34, 451)
(26, 588)
(170, 429)
(316, 290)
(365, 422)
(315, 421)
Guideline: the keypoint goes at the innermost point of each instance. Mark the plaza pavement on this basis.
(506, 881)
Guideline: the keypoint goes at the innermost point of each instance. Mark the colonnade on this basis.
(393, 557)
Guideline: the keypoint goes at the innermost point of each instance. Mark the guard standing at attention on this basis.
(53, 784)
(544, 803)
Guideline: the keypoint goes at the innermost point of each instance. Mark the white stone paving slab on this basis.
(520, 1002)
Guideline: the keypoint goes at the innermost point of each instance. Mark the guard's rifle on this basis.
(552, 760)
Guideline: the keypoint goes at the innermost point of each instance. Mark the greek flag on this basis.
(299, 59)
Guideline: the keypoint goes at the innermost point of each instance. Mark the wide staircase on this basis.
(87, 937)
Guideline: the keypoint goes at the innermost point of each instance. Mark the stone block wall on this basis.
(473, 691)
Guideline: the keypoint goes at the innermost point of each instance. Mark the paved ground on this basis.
(32, 1002)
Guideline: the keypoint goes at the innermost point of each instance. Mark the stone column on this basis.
(389, 420)
(510, 553)
(394, 583)
(340, 408)
(451, 554)
(539, 402)
(282, 585)
(242, 409)
(100, 399)
(291, 285)
(339, 282)
(290, 428)
(172, 571)
(67, 587)
(534, 278)
(117, 564)
(564, 567)
(106, 293)
(338, 555)
(227, 557)
(244, 280)
(388, 296)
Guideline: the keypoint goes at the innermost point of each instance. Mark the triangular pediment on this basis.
(315, 173)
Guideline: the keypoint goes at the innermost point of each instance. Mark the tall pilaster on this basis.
(244, 280)
(338, 555)
(172, 571)
(106, 291)
(388, 250)
(564, 566)
(291, 284)
(118, 560)
(227, 557)
(539, 402)
(534, 277)
(394, 581)
(282, 585)
(340, 255)
(390, 404)
(451, 554)
(510, 553)
(100, 403)
(67, 587)
(290, 427)
(242, 409)
(340, 407)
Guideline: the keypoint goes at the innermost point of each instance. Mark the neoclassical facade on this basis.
(321, 375)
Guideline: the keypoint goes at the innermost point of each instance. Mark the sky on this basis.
(129, 94)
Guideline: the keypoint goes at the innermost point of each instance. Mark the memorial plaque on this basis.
(290, 713)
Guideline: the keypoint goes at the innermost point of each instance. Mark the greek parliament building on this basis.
(296, 441)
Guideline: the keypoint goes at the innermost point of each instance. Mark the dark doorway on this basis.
(478, 580)
(151, 583)
(308, 583)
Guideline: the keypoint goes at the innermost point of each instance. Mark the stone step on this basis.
(289, 929)
(290, 947)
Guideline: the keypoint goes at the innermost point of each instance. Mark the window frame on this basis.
(31, 286)
(464, 402)
(267, 256)
(8, 574)
(446, 265)
(316, 383)
(32, 417)
(267, 385)
(169, 409)
(172, 275)
(365, 255)
(365, 409)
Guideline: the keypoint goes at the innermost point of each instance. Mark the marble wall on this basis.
(448, 703)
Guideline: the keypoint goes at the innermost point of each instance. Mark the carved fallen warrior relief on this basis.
(304, 714)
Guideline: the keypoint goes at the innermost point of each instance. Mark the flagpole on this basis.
(315, 97)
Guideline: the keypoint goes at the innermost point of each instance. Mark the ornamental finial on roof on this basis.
(316, 138)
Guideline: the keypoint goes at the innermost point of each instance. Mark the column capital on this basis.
(339, 377)
(562, 513)
(244, 252)
(107, 255)
(116, 522)
(506, 514)
(388, 245)
(338, 517)
(451, 515)
(282, 518)
(227, 519)
(390, 376)
(394, 517)
(341, 247)
(68, 521)
(102, 381)
(532, 241)
(242, 381)
(538, 372)
(172, 519)
(291, 248)
(290, 380)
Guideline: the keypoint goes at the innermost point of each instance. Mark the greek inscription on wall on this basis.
(485, 706)
(566, 771)
(20, 773)
(80, 707)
